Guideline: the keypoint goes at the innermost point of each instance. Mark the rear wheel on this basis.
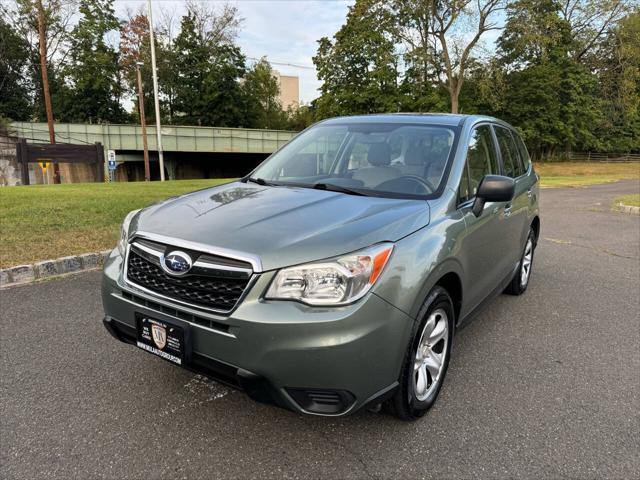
(427, 359)
(520, 280)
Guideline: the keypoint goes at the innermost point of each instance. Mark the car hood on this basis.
(282, 226)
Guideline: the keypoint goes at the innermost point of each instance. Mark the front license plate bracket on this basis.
(164, 339)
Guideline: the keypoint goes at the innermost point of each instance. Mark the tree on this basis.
(93, 71)
(263, 92)
(135, 51)
(619, 85)
(359, 67)
(207, 68)
(549, 94)
(23, 20)
(15, 100)
(590, 21)
(300, 117)
(441, 35)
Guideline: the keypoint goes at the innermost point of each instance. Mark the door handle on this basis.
(507, 210)
(529, 194)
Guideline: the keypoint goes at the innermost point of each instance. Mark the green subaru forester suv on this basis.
(333, 276)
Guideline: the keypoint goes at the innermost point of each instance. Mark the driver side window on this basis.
(481, 161)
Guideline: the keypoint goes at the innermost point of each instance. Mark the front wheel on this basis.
(520, 280)
(427, 359)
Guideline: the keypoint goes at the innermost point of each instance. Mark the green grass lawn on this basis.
(39, 222)
(579, 174)
(632, 200)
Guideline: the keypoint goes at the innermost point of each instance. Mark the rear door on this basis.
(486, 236)
(517, 211)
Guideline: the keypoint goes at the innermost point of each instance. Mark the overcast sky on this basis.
(285, 31)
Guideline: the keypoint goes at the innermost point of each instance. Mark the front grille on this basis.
(208, 291)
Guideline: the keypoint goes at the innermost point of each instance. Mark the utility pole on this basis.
(143, 124)
(45, 84)
(155, 92)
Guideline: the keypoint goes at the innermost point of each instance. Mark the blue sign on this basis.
(111, 158)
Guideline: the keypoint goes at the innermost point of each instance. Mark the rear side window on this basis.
(481, 161)
(524, 155)
(509, 153)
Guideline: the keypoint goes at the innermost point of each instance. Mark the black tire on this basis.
(517, 287)
(405, 404)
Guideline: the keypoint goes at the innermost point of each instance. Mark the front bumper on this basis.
(327, 361)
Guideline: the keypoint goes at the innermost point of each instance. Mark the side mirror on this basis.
(493, 188)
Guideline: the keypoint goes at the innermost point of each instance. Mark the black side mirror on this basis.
(493, 188)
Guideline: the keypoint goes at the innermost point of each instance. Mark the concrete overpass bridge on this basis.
(189, 152)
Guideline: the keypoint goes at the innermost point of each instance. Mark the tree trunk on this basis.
(454, 101)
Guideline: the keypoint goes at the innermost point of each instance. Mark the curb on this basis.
(628, 209)
(22, 274)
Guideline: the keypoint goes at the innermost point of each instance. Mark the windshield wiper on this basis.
(338, 188)
(259, 181)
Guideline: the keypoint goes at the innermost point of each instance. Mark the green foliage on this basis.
(566, 73)
(93, 72)
(301, 117)
(549, 93)
(262, 90)
(207, 91)
(14, 63)
(14, 91)
(91, 91)
(359, 67)
(619, 86)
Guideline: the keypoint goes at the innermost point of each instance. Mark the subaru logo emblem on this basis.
(176, 263)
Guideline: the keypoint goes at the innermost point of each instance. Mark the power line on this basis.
(296, 65)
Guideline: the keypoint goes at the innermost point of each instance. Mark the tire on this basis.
(437, 319)
(521, 279)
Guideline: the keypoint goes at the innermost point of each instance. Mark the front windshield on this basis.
(366, 158)
(369, 158)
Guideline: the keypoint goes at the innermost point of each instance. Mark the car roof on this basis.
(452, 119)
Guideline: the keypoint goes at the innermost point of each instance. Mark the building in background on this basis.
(289, 90)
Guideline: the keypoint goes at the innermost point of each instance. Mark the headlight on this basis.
(124, 232)
(337, 281)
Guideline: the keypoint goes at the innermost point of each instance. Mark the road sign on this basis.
(111, 157)
(44, 166)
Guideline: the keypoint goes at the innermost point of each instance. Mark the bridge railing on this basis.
(174, 138)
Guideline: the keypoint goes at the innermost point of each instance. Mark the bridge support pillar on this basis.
(170, 166)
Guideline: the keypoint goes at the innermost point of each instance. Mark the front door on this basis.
(486, 237)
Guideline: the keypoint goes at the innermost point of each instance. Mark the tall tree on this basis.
(549, 94)
(59, 16)
(590, 21)
(263, 93)
(93, 71)
(359, 67)
(619, 85)
(135, 51)
(15, 99)
(442, 34)
(207, 67)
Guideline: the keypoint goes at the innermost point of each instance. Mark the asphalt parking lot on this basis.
(545, 385)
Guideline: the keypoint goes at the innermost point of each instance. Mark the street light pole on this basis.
(143, 124)
(155, 91)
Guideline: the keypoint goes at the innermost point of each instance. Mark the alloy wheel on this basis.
(527, 259)
(431, 354)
